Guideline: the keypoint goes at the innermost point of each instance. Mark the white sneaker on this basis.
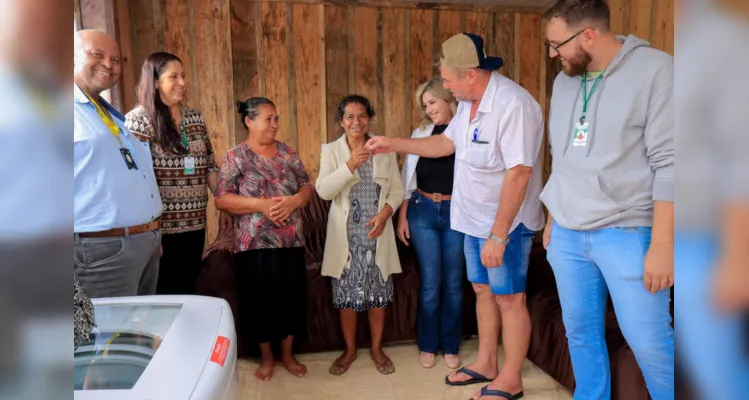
(452, 361)
(427, 360)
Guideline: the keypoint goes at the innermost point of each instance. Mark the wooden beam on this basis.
(178, 30)
(640, 12)
(244, 59)
(394, 72)
(128, 82)
(336, 65)
(503, 42)
(323, 79)
(663, 26)
(418, 5)
(213, 59)
(365, 56)
(422, 56)
(529, 57)
(143, 36)
(275, 39)
(308, 49)
(77, 12)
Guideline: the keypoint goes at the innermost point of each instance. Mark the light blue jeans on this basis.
(588, 265)
(711, 345)
(439, 251)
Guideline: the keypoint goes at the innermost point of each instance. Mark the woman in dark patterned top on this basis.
(184, 164)
(264, 184)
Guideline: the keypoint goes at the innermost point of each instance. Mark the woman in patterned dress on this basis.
(264, 184)
(360, 250)
(184, 165)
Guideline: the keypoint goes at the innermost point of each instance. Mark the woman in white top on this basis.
(424, 220)
(360, 248)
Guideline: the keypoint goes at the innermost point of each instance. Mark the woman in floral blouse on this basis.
(184, 164)
(264, 184)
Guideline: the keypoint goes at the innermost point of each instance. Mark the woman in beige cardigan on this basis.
(360, 252)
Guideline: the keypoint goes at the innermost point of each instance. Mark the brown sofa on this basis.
(548, 348)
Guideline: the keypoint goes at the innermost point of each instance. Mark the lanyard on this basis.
(109, 122)
(184, 131)
(586, 95)
(106, 118)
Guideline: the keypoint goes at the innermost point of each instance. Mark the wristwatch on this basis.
(495, 238)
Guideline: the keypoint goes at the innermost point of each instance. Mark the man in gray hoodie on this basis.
(610, 195)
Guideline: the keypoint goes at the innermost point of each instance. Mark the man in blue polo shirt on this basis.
(117, 202)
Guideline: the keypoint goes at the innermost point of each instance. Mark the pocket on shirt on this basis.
(479, 154)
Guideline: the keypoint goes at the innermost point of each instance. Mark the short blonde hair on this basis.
(436, 88)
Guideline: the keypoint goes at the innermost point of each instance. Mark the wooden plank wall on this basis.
(652, 20)
(381, 52)
(305, 55)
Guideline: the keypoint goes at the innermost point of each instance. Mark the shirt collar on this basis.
(80, 97)
(487, 101)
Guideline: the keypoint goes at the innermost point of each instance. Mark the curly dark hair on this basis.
(354, 99)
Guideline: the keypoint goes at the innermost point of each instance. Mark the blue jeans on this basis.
(588, 265)
(510, 277)
(439, 251)
(711, 344)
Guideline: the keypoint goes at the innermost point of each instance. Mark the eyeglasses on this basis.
(557, 47)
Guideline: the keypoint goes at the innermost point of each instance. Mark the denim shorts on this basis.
(508, 278)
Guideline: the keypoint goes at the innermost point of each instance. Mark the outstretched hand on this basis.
(378, 145)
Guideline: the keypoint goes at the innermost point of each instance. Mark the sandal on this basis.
(485, 391)
(386, 367)
(339, 368)
(475, 377)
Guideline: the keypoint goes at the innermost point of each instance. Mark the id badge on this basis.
(581, 135)
(189, 165)
(128, 157)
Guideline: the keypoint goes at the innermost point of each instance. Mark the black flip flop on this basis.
(485, 391)
(475, 378)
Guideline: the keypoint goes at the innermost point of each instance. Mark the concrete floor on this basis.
(363, 382)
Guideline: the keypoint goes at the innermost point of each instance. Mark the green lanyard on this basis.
(184, 131)
(586, 95)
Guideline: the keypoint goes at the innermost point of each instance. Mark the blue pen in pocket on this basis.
(475, 134)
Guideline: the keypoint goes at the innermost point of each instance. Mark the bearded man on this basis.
(610, 194)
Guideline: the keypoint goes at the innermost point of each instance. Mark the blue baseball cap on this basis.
(466, 50)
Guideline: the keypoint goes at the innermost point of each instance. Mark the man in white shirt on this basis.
(496, 136)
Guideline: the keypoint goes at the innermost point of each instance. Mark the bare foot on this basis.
(293, 366)
(488, 372)
(502, 384)
(265, 370)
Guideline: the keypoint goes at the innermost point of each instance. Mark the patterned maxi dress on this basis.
(361, 285)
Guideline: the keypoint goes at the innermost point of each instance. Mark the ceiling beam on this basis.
(415, 4)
